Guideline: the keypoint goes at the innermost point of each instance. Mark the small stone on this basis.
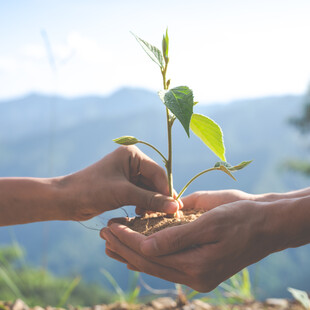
(38, 308)
(188, 307)
(19, 305)
(201, 305)
(277, 302)
(100, 307)
(163, 303)
(118, 306)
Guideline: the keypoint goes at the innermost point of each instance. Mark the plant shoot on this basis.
(179, 104)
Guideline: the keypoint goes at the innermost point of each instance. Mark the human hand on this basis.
(207, 200)
(124, 177)
(201, 254)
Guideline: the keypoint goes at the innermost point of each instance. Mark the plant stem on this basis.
(169, 161)
(169, 127)
(194, 178)
(155, 149)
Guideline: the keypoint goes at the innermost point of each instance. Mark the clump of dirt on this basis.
(151, 223)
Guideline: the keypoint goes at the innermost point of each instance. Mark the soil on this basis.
(151, 223)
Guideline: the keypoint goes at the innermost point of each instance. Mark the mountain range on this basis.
(44, 136)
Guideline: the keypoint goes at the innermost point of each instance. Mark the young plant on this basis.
(132, 295)
(179, 103)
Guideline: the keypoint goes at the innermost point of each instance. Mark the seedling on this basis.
(179, 103)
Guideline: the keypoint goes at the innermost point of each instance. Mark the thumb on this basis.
(171, 240)
(151, 201)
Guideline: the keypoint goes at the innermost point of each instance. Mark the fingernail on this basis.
(171, 206)
(149, 246)
(103, 233)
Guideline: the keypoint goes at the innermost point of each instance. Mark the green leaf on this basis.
(301, 296)
(210, 133)
(126, 140)
(75, 282)
(240, 166)
(5, 276)
(230, 167)
(114, 283)
(180, 101)
(165, 45)
(153, 52)
(226, 170)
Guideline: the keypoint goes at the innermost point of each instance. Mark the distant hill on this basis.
(47, 136)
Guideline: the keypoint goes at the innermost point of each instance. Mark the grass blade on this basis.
(75, 282)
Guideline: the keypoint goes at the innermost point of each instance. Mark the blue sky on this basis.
(222, 49)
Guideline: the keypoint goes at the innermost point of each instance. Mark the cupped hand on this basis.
(207, 200)
(124, 177)
(201, 254)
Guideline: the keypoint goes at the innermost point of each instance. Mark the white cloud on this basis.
(8, 64)
(222, 52)
(33, 51)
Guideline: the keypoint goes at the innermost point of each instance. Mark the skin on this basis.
(124, 177)
(237, 230)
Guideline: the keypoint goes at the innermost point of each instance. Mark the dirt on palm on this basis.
(151, 223)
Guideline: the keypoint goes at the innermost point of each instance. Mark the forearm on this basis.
(269, 197)
(26, 200)
(287, 221)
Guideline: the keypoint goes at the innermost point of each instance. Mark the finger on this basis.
(139, 211)
(178, 238)
(144, 265)
(104, 233)
(133, 268)
(189, 202)
(131, 238)
(115, 256)
(149, 201)
(205, 200)
(156, 174)
(164, 242)
(170, 240)
(120, 220)
(175, 195)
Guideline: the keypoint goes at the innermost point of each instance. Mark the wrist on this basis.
(82, 196)
(269, 197)
(72, 204)
(64, 200)
(287, 223)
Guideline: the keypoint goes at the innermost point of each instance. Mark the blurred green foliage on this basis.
(302, 123)
(39, 287)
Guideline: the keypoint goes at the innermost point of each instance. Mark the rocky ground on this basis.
(168, 303)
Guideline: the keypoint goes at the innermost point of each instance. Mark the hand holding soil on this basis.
(225, 239)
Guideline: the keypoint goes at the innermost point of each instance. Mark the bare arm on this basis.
(25, 200)
(123, 177)
(288, 195)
